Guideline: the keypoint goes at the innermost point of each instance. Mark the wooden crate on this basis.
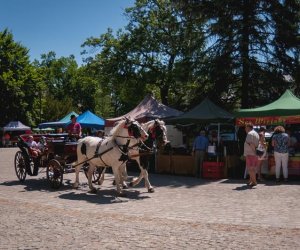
(163, 164)
(183, 165)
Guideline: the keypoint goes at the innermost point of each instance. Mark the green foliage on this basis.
(241, 53)
(19, 82)
(242, 49)
(156, 52)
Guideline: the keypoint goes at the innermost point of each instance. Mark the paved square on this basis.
(183, 213)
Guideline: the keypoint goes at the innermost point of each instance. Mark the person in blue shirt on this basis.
(200, 146)
(280, 142)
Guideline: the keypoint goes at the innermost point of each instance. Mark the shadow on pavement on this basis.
(41, 185)
(267, 182)
(104, 196)
(174, 181)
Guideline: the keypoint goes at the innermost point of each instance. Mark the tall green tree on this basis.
(157, 52)
(58, 75)
(19, 83)
(242, 34)
(286, 15)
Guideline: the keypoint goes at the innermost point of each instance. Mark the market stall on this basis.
(181, 161)
(90, 120)
(148, 109)
(284, 111)
(11, 131)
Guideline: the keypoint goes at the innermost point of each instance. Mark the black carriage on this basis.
(57, 153)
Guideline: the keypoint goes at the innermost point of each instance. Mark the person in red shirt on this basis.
(74, 128)
(7, 138)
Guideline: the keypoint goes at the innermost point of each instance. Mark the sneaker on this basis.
(285, 180)
(277, 181)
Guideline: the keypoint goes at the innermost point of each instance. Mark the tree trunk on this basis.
(164, 92)
(245, 55)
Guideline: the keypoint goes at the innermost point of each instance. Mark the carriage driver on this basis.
(74, 129)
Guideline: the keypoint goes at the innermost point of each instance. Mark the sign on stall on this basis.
(268, 120)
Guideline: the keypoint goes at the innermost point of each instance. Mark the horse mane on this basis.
(149, 124)
(119, 125)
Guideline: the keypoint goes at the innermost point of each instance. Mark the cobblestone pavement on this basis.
(183, 213)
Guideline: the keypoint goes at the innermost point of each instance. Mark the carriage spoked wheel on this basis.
(20, 166)
(54, 173)
(96, 175)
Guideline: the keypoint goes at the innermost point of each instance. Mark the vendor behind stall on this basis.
(199, 150)
(293, 144)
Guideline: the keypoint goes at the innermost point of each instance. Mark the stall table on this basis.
(185, 165)
(293, 165)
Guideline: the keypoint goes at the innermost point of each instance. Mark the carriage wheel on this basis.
(20, 166)
(54, 173)
(96, 174)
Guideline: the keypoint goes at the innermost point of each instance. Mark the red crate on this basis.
(213, 170)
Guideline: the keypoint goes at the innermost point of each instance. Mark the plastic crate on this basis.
(213, 170)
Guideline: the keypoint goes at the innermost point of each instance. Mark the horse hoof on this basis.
(114, 182)
(93, 191)
(150, 190)
(125, 187)
(122, 195)
(131, 184)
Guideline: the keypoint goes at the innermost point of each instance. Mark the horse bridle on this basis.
(157, 133)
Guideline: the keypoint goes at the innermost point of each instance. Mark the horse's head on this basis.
(135, 129)
(158, 132)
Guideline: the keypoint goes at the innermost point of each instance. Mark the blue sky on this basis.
(60, 25)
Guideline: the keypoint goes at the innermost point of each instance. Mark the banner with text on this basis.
(268, 120)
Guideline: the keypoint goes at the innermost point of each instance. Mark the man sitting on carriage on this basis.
(74, 129)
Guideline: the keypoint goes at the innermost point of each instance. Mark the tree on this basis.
(157, 52)
(59, 78)
(242, 33)
(286, 15)
(19, 83)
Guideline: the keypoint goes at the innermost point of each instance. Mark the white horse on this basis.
(157, 137)
(110, 152)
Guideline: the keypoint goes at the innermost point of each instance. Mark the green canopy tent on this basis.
(285, 109)
(205, 112)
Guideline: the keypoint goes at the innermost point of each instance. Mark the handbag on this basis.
(259, 152)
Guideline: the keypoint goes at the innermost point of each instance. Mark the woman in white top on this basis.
(262, 147)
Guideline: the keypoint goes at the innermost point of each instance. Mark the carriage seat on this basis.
(42, 147)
